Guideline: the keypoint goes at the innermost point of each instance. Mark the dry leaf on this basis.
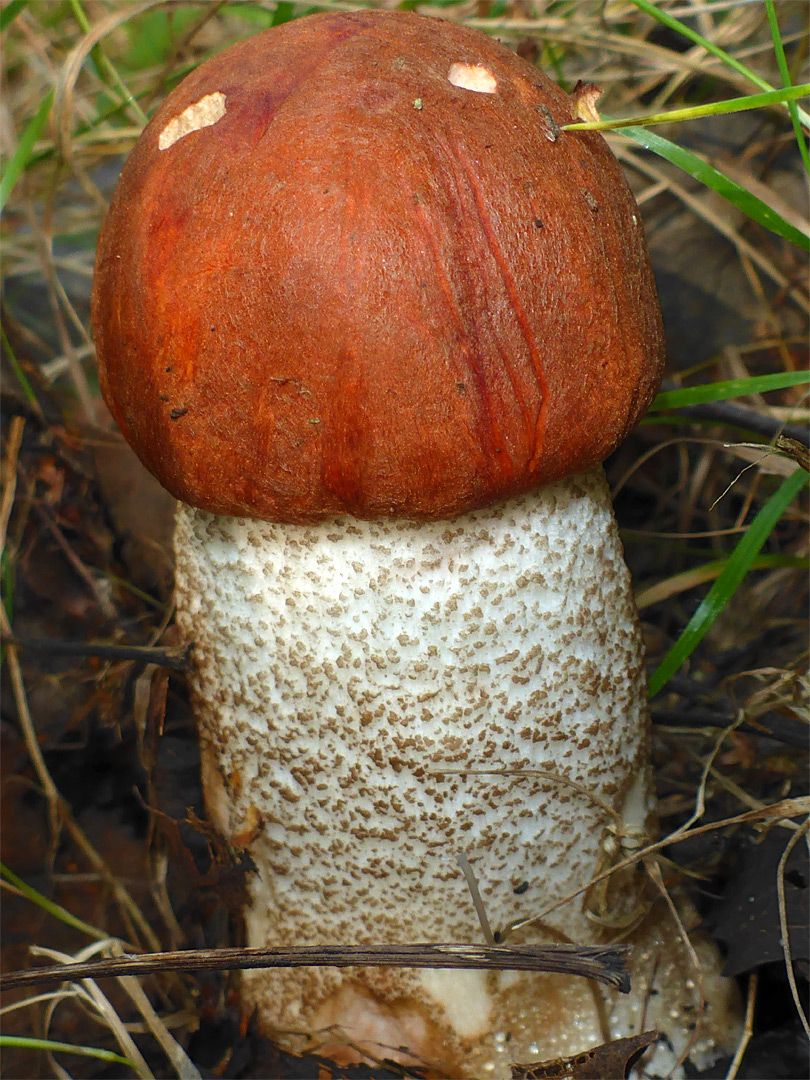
(584, 97)
(795, 450)
(747, 919)
(610, 1061)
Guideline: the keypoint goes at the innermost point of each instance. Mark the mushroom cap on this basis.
(353, 265)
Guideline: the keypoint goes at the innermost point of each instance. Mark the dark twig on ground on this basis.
(607, 965)
(783, 729)
(722, 412)
(177, 658)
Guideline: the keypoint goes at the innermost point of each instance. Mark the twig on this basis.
(181, 1062)
(654, 871)
(605, 964)
(102, 1006)
(781, 811)
(783, 923)
(58, 810)
(478, 903)
(748, 1028)
(9, 477)
(15, 671)
(724, 413)
(103, 601)
(771, 725)
(44, 247)
(123, 897)
(59, 813)
(27, 726)
(177, 659)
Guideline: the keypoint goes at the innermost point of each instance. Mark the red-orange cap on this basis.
(353, 265)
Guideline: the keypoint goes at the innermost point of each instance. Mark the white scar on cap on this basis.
(201, 114)
(473, 77)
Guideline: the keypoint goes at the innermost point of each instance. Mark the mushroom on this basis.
(374, 319)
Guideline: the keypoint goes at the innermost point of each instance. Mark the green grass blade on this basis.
(48, 905)
(732, 388)
(10, 13)
(738, 565)
(53, 1047)
(283, 13)
(784, 71)
(712, 178)
(715, 50)
(696, 112)
(7, 582)
(22, 154)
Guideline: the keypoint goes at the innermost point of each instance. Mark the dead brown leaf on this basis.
(610, 1061)
(584, 97)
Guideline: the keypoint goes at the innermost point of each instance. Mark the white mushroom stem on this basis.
(347, 674)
